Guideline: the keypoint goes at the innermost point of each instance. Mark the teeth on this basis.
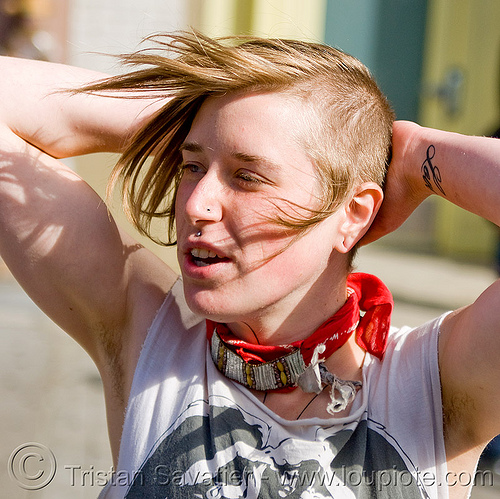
(203, 253)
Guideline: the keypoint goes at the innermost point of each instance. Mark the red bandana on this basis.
(366, 293)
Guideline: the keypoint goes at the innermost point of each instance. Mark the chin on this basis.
(208, 306)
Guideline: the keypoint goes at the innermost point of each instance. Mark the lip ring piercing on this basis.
(198, 234)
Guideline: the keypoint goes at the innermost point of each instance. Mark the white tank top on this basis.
(191, 432)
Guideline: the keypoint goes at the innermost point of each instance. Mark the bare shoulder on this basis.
(149, 281)
(469, 349)
(60, 242)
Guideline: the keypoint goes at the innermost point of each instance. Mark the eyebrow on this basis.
(191, 147)
(195, 147)
(262, 160)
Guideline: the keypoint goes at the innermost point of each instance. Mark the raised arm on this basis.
(466, 171)
(56, 234)
(462, 169)
(36, 107)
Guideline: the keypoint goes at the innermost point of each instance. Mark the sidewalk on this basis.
(52, 394)
(424, 286)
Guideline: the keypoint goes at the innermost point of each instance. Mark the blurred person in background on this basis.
(269, 368)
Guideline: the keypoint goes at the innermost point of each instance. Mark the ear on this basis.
(359, 212)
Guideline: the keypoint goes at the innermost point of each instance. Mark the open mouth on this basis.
(203, 257)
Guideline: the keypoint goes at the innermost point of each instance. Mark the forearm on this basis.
(465, 170)
(35, 106)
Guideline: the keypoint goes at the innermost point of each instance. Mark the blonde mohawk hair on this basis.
(350, 125)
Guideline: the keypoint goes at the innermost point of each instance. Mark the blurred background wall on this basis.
(437, 60)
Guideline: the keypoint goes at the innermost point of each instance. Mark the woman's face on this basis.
(241, 159)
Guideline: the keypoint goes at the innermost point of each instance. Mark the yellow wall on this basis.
(296, 19)
(463, 35)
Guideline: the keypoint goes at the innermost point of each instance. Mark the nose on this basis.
(203, 202)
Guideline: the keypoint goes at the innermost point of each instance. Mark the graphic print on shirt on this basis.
(230, 454)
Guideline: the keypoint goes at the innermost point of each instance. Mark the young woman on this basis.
(267, 369)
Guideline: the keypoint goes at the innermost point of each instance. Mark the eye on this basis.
(191, 168)
(248, 177)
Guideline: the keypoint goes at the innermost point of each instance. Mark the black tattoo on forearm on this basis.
(431, 172)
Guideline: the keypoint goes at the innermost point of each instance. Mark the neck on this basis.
(347, 361)
(294, 321)
(283, 367)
